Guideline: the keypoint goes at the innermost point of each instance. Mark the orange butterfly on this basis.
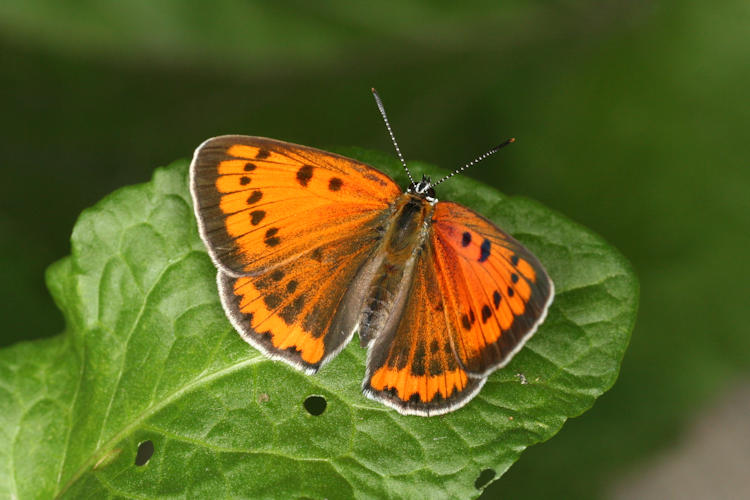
(311, 247)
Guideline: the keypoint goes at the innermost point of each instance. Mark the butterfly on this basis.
(312, 247)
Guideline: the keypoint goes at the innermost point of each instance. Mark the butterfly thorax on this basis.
(392, 264)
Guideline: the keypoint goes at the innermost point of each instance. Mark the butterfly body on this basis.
(393, 263)
(312, 247)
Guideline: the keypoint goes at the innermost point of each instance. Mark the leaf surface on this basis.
(148, 355)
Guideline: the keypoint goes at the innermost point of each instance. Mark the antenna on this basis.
(390, 132)
(476, 160)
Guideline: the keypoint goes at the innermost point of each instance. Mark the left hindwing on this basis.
(495, 291)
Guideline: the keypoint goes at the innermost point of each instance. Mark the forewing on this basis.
(412, 365)
(261, 203)
(496, 292)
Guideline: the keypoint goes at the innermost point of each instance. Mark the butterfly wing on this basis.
(476, 297)
(261, 203)
(301, 312)
(412, 365)
(496, 292)
(290, 229)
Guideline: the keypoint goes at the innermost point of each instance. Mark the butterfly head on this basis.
(423, 188)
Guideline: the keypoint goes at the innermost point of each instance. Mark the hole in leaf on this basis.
(145, 451)
(315, 405)
(484, 478)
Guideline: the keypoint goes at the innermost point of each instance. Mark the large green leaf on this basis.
(148, 355)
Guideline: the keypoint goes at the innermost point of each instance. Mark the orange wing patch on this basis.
(260, 202)
(412, 365)
(423, 388)
(496, 291)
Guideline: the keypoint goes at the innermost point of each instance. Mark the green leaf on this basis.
(148, 355)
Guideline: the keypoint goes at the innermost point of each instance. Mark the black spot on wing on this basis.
(484, 250)
(402, 358)
(510, 292)
(417, 363)
(249, 167)
(255, 197)
(435, 367)
(496, 297)
(335, 184)
(271, 239)
(272, 300)
(434, 346)
(266, 337)
(514, 260)
(465, 322)
(290, 312)
(277, 275)
(514, 278)
(293, 350)
(263, 282)
(244, 180)
(304, 174)
(256, 216)
(486, 313)
(466, 239)
(291, 286)
(262, 153)
(390, 391)
(437, 398)
(451, 363)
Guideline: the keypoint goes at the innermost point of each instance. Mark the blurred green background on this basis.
(631, 118)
